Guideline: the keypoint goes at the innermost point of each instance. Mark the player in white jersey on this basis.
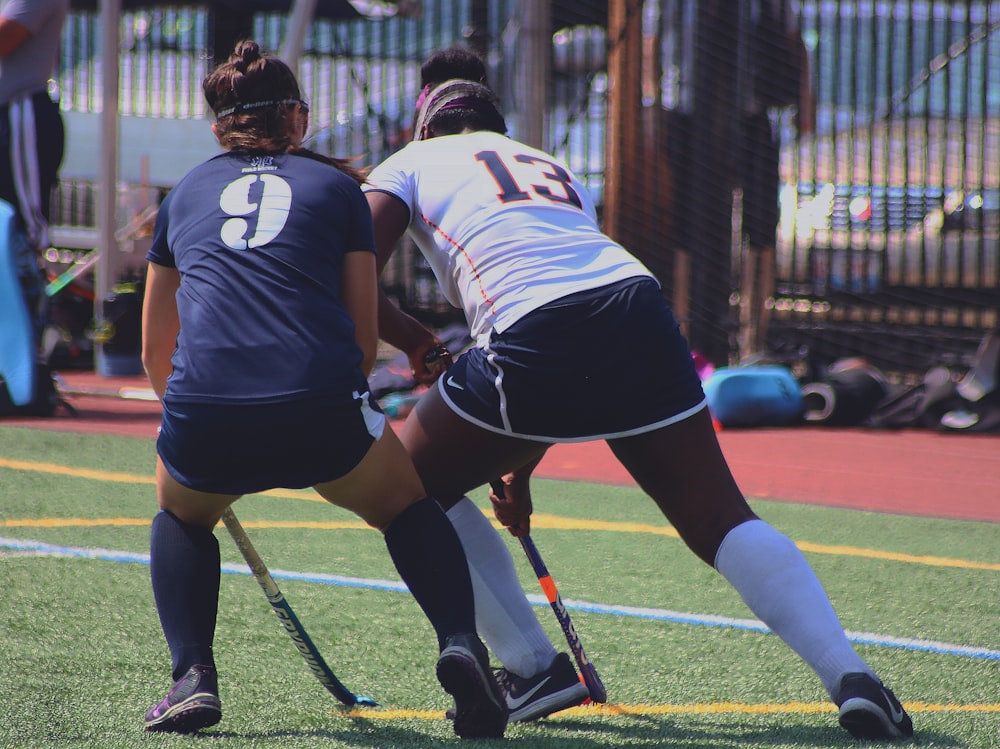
(574, 341)
(496, 253)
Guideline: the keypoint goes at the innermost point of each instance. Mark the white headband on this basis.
(445, 94)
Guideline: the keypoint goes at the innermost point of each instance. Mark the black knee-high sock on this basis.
(185, 571)
(429, 557)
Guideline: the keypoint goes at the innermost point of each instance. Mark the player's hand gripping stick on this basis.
(590, 677)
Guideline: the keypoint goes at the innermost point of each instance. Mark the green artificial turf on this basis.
(82, 656)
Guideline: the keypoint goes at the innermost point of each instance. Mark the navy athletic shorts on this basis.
(250, 448)
(600, 364)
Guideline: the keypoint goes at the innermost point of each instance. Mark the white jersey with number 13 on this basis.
(505, 227)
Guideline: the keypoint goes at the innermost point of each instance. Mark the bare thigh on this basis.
(682, 468)
(454, 456)
(380, 487)
(188, 505)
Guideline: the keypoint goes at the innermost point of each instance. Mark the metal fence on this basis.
(890, 233)
(888, 243)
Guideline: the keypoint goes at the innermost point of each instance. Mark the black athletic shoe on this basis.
(192, 703)
(464, 671)
(556, 688)
(869, 709)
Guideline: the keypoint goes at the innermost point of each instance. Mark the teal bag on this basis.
(754, 396)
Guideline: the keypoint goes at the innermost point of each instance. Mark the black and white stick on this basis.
(291, 623)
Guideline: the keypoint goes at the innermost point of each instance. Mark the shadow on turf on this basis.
(654, 730)
(596, 734)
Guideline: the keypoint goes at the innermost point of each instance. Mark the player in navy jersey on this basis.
(569, 330)
(259, 331)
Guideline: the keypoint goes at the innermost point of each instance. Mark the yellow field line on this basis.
(801, 708)
(538, 520)
(128, 478)
(80, 473)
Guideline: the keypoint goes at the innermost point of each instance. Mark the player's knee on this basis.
(704, 532)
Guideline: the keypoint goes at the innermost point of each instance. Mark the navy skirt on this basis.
(250, 448)
(600, 364)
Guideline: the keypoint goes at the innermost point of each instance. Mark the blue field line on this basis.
(753, 625)
(702, 620)
(107, 555)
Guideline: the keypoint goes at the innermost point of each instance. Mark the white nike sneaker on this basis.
(556, 688)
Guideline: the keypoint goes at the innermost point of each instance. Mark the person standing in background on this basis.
(444, 65)
(775, 69)
(32, 135)
(31, 128)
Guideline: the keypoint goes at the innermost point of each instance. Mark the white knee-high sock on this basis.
(504, 617)
(780, 587)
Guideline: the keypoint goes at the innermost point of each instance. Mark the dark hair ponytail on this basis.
(344, 165)
(251, 94)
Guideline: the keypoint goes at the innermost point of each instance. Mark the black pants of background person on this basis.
(758, 158)
(50, 136)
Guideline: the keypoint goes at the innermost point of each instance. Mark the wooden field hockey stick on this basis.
(291, 623)
(590, 677)
(124, 393)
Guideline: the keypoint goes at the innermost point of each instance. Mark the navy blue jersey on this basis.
(259, 241)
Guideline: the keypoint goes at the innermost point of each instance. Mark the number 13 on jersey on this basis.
(557, 185)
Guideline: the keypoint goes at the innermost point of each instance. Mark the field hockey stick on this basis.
(590, 677)
(65, 278)
(287, 617)
(125, 393)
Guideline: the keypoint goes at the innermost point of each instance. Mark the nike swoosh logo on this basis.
(514, 704)
(451, 381)
(895, 713)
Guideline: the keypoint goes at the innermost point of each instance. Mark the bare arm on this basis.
(160, 324)
(359, 292)
(390, 218)
(395, 327)
(12, 36)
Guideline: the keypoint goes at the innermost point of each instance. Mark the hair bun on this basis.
(245, 54)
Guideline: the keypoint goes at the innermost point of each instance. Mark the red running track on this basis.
(911, 472)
